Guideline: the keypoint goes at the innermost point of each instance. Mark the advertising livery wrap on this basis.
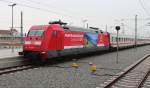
(73, 40)
(91, 39)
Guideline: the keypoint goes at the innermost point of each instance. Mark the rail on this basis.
(113, 81)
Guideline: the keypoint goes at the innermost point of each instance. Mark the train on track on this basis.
(58, 39)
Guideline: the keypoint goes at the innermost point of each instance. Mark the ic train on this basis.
(57, 39)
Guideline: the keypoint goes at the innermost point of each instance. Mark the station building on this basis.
(9, 38)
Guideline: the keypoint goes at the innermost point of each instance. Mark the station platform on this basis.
(7, 53)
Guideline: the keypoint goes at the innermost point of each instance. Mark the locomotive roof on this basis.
(73, 28)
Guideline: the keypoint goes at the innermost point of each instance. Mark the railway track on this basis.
(15, 69)
(12, 62)
(135, 76)
(10, 65)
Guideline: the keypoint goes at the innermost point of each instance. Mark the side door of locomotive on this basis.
(57, 40)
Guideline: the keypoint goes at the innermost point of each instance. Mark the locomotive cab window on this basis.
(35, 33)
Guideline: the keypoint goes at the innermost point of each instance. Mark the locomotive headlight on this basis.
(37, 42)
(43, 52)
(27, 42)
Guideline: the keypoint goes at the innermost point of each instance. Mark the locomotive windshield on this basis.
(35, 32)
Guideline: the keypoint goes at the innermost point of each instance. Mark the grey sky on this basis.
(97, 12)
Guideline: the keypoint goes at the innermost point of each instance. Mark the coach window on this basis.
(112, 39)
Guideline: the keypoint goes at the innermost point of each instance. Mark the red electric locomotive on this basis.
(58, 39)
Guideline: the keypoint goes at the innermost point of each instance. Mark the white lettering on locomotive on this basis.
(73, 35)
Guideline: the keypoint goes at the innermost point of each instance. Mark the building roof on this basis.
(5, 32)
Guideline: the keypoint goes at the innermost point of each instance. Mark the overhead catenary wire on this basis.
(42, 9)
(44, 4)
(143, 7)
(132, 19)
(52, 7)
